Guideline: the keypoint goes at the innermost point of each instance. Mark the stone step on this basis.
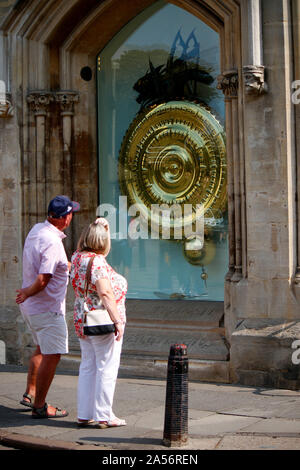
(165, 315)
(150, 341)
(183, 313)
(150, 367)
(154, 325)
(156, 368)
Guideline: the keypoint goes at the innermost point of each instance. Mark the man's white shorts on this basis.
(49, 332)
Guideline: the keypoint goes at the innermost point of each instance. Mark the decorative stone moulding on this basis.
(39, 101)
(254, 80)
(6, 108)
(66, 100)
(228, 82)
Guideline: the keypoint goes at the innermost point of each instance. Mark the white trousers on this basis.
(100, 360)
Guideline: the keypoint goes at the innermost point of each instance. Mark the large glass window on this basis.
(162, 162)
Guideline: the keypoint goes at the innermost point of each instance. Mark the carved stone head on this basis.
(254, 79)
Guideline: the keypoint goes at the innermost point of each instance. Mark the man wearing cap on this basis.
(42, 302)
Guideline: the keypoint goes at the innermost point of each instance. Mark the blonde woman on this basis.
(100, 355)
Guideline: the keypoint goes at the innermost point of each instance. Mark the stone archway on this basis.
(56, 120)
(51, 110)
(62, 37)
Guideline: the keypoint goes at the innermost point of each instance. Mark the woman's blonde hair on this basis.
(95, 237)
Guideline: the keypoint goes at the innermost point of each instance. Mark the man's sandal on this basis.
(40, 413)
(114, 423)
(28, 403)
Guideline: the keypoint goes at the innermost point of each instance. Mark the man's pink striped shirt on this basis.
(44, 253)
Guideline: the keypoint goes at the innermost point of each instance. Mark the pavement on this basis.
(220, 417)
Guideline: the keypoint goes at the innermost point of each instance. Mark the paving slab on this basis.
(275, 426)
(220, 417)
(218, 424)
(264, 443)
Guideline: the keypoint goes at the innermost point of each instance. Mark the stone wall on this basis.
(266, 303)
(12, 331)
(50, 147)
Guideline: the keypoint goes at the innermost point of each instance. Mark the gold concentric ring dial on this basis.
(174, 153)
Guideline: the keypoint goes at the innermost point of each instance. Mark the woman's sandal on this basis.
(40, 413)
(83, 423)
(27, 403)
(114, 423)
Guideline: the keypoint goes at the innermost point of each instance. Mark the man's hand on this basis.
(21, 296)
(39, 284)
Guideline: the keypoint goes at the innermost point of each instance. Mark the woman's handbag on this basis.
(96, 322)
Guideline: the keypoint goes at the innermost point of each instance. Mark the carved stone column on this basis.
(296, 45)
(254, 73)
(66, 101)
(39, 102)
(228, 83)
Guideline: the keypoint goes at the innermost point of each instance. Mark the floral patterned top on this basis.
(100, 270)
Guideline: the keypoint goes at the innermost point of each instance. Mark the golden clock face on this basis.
(174, 154)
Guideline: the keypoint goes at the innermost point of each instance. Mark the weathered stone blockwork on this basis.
(48, 146)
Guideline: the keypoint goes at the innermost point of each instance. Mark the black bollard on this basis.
(176, 406)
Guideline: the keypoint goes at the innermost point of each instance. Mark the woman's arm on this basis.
(106, 294)
(37, 286)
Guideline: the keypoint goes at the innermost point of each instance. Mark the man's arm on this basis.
(37, 286)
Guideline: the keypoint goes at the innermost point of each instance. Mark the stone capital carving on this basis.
(6, 108)
(40, 101)
(254, 79)
(228, 82)
(66, 100)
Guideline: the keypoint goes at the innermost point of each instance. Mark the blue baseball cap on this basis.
(61, 206)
